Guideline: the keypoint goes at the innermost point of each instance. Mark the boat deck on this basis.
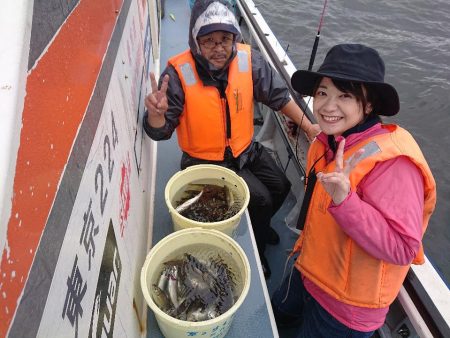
(254, 318)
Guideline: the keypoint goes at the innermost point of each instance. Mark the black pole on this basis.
(316, 41)
(313, 53)
(312, 178)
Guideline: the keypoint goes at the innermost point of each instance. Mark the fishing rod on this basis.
(316, 41)
(313, 54)
(312, 178)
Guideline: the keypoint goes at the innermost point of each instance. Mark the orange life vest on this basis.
(202, 131)
(330, 258)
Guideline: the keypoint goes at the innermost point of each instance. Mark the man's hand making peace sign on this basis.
(337, 183)
(156, 102)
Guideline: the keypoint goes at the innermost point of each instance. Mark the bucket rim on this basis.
(200, 167)
(180, 233)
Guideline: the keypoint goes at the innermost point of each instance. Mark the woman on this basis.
(369, 208)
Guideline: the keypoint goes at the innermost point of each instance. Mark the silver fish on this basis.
(163, 280)
(173, 286)
(182, 207)
(160, 298)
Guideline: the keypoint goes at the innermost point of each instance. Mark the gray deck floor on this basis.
(254, 317)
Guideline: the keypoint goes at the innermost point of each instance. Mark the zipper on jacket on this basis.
(226, 113)
(223, 96)
(227, 121)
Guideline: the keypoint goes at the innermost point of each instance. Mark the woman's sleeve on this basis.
(384, 216)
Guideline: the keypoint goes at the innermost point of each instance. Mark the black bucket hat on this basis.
(356, 63)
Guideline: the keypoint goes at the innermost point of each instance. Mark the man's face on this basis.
(216, 47)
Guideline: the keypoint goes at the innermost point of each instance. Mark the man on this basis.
(207, 93)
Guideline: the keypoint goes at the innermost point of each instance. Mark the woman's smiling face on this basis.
(335, 110)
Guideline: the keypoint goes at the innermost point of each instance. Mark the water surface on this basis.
(413, 37)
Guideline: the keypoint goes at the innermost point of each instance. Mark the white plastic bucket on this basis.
(206, 174)
(171, 247)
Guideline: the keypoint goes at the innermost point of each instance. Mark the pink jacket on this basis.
(399, 233)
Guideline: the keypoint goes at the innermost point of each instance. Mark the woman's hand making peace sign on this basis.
(156, 102)
(337, 183)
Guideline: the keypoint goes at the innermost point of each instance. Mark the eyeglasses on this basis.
(209, 43)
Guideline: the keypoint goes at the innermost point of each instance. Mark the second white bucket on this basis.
(189, 241)
(206, 174)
